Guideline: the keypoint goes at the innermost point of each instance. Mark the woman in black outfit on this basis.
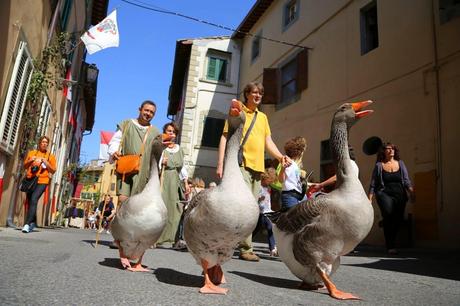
(390, 183)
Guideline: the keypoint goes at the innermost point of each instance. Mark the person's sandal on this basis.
(274, 252)
(249, 256)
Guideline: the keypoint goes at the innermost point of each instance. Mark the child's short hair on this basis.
(198, 182)
(295, 146)
(269, 174)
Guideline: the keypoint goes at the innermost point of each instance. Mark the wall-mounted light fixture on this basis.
(91, 73)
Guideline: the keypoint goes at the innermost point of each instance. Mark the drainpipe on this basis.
(53, 23)
(438, 107)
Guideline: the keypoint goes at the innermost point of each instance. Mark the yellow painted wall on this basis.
(399, 76)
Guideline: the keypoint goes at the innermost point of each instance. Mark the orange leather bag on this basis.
(130, 164)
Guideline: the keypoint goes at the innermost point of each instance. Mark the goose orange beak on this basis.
(357, 106)
(235, 108)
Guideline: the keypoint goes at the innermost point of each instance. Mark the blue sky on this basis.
(141, 67)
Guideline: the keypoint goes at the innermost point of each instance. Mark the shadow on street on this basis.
(173, 277)
(112, 263)
(418, 266)
(269, 280)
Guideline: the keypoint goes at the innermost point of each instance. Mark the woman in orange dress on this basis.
(40, 163)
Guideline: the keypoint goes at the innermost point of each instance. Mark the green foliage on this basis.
(48, 72)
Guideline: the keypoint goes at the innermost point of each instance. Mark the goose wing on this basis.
(200, 197)
(303, 215)
(304, 222)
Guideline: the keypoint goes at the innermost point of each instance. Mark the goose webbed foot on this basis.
(123, 259)
(137, 267)
(125, 262)
(209, 287)
(333, 291)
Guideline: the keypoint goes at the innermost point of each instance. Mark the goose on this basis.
(218, 218)
(141, 219)
(313, 235)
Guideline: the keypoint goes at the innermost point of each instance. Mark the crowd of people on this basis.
(283, 179)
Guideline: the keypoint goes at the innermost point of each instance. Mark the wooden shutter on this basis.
(15, 99)
(271, 82)
(44, 117)
(212, 63)
(222, 70)
(302, 70)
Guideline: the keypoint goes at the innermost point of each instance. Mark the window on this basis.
(44, 117)
(218, 66)
(255, 51)
(288, 81)
(369, 28)
(15, 99)
(448, 9)
(284, 85)
(212, 131)
(290, 13)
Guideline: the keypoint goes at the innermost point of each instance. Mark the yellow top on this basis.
(254, 148)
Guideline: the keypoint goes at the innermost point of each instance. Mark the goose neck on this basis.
(339, 142)
(231, 167)
(154, 182)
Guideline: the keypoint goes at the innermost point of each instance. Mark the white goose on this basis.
(141, 219)
(313, 235)
(218, 218)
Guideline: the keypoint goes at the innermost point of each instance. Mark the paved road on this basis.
(62, 267)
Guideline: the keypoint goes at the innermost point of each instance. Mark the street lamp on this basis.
(91, 73)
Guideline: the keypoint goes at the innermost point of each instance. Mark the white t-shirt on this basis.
(292, 181)
(264, 200)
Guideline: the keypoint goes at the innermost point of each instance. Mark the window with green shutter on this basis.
(217, 69)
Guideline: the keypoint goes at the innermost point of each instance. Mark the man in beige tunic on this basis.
(130, 134)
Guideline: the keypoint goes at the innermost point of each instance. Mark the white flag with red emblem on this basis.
(103, 35)
(105, 139)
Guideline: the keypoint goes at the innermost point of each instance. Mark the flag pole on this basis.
(74, 47)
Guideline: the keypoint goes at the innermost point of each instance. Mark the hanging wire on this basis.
(164, 11)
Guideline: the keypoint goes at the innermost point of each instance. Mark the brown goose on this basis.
(141, 219)
(218, 218)
(313, 235)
